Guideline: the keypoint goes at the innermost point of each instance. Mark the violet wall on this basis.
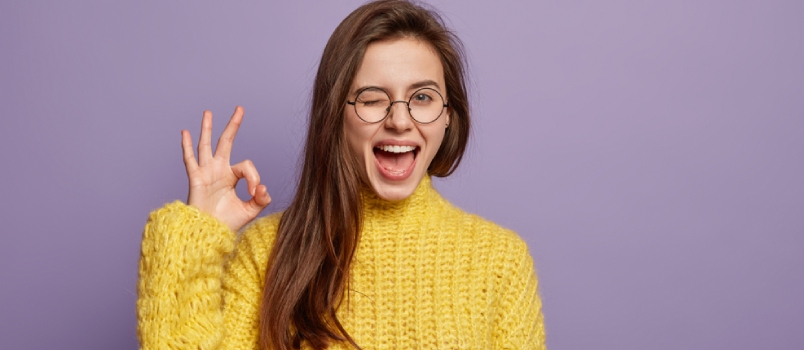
(651, 154)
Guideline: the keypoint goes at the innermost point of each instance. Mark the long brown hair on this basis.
(308, 270)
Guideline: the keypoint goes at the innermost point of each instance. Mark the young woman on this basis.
(368, 255)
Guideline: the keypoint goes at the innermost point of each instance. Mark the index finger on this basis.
(224, 148)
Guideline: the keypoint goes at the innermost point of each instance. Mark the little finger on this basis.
(187, 149)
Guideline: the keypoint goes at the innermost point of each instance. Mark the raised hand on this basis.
(213, 179)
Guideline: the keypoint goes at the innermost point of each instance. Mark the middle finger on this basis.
(224, 148)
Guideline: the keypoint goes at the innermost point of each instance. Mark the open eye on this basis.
(422, 97)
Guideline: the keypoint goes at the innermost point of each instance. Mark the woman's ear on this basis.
(449, 113)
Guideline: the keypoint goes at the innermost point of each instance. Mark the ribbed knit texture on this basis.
(426, 276)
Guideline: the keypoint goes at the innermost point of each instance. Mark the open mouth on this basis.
(396, 161)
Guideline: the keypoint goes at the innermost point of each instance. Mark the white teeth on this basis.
(396, 149)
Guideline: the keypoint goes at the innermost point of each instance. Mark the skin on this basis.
(398, 67)
(213, 178)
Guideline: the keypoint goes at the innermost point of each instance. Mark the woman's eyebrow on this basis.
(424, 83)
(416, 85)
(367, 87)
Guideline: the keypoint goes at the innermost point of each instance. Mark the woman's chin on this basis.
(394, 190)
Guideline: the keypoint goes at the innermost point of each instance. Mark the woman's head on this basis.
(357, 57)
(396, 47)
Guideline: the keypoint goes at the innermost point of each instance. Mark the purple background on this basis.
(651, 154)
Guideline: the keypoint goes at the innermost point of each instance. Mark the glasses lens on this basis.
(426, 105)
(371, 105)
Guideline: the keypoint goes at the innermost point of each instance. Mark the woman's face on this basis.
(398, 67)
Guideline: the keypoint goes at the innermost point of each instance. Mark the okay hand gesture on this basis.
(213, 179)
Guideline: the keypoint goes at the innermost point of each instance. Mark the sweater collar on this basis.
(423, 196)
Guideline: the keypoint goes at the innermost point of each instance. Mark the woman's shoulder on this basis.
(265, 224)
(261, 232)
(485, 232)
(495, 253)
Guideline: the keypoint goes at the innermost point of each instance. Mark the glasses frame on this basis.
(391, 104)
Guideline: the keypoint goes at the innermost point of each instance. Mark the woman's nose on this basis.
(399, 116)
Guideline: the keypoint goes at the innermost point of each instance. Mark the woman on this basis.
(367, 255)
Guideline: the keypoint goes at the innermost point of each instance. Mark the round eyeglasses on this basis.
(372, 105)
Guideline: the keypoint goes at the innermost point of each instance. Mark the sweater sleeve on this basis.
(521, 324)
(243, 283)
(186, 297)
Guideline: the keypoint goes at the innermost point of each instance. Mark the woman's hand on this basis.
(213, 179)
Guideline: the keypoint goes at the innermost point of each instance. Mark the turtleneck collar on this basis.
(423, 196)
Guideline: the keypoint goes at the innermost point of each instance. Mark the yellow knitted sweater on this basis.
(425, 276)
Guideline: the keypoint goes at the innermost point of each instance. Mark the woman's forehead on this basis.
(400, 65)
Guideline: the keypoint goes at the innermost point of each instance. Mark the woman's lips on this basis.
(395, 162)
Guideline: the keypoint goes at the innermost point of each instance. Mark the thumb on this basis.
(260, 200)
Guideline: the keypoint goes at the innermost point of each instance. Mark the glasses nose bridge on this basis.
(391, 105)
